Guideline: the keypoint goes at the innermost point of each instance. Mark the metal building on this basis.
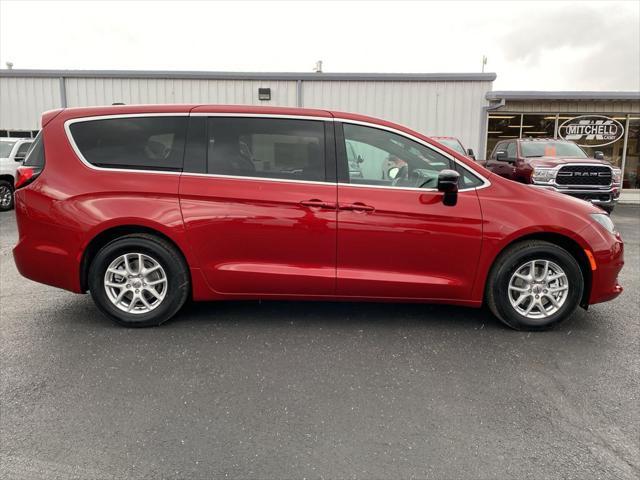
(436, 104)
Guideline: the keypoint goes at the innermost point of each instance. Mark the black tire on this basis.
(178, 283)
(5, 186)
(509, 261)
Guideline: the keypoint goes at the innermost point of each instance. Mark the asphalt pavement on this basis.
(278, 390)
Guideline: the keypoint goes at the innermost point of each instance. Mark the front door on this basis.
(396, 239)
(261, 218)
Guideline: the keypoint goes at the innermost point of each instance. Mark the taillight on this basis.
(33, 163)
(26, 175)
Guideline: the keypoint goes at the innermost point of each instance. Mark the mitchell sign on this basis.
(591, 130)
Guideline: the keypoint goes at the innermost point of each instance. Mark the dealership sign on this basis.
(591, 130)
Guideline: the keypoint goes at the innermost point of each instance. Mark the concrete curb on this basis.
(630, 197)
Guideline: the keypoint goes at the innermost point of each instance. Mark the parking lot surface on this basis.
(316, 390)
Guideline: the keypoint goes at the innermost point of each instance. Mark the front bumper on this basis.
(608, 253)
(601, 196)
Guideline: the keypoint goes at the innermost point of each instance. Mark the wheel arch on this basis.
(9, 178)
(566, 242)
(109, 234)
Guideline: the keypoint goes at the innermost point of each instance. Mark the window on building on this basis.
(631, 175)
(155, 143)
(266, 147)
(538, 126)
(593, 143)
(502, 126)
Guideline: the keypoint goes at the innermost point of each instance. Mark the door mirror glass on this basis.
(448, 184)
(598, 155)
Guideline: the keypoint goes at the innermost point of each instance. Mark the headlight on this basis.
(604, 220)
(543, 175)
(617, 175)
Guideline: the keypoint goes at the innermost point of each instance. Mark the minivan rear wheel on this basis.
(139, 280)
(534, 285)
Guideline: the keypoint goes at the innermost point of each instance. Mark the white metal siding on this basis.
(83, 92)
(433, 108)
(22, 101)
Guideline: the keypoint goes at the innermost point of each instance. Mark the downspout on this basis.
(484, 124)
(299, 93)
(63, 93)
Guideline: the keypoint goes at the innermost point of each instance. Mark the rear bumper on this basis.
(44, 252)
(46, 263)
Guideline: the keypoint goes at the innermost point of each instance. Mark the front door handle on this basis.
(315, 203)
(356, 207)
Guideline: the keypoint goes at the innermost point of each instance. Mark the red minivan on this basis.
(147, 206)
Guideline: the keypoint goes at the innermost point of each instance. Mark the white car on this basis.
(12, 153)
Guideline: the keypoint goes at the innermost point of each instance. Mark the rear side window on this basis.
(266, 147)
(35, 155)
(144, 143)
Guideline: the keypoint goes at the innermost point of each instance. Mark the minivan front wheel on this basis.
(534, 285)
(139, 280)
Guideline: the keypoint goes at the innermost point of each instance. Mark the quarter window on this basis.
(147, 143)
(266, 147)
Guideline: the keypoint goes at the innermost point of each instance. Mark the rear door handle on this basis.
(356, 207)
(315, 203)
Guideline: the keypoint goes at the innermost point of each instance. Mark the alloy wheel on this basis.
(538, 289)
(135, 283)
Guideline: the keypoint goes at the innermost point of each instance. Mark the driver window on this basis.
(511, 150)
(379, 157)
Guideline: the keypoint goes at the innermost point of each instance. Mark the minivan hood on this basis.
(539, 195)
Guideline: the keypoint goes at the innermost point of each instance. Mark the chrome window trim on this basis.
(268, 179)
(74, 146)
(262, 115)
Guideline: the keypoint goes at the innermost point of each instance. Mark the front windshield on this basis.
(5, 149)
(551, 149)
(453, 144)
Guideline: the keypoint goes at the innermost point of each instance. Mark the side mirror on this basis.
(393, 172)
(501, 156)
(448, 184)
(598, 155)
(470, 153)
(19, 159)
